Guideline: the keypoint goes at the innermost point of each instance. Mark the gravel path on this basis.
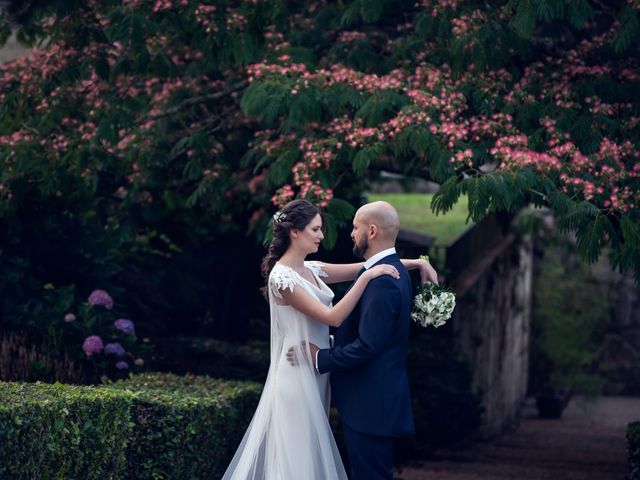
(587, 443)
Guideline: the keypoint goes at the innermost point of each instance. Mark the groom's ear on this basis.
(373, 231)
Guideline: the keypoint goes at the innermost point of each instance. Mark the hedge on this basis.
(186, 427)
(633, 438)
(62, 432)
(152, 426)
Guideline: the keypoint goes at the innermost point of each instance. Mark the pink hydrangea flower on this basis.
(92, 345)
(102, 298)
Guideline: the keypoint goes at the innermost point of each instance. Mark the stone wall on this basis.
(491, 326)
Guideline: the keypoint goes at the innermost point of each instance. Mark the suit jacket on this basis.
(369, 382)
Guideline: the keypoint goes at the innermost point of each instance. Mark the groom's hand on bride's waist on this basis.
(292, 353)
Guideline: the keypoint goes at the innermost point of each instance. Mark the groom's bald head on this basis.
(384, 217)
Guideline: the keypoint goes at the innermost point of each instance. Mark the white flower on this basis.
(433, 306)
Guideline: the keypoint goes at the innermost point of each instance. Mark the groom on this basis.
(368, 360)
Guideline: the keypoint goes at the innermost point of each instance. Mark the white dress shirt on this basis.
(378, 256)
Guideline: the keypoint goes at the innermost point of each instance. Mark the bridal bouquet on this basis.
(433, 305)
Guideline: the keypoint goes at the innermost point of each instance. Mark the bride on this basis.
(289, 437)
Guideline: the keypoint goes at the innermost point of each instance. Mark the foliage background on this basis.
(144, 145)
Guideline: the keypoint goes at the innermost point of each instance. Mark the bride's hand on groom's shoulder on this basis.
(428, 274)
(382, 269)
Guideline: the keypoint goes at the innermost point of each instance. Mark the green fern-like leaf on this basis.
(626, 259)
(372, 10)
(203, 188)
(341, 209)
(500, 193)
(629, 31)
(630, 232)
(304, 108)
(580, 214)
(351, 14)
(402, 144)
(580, 12)
(479, 194)
(544, 11)
(524, 19)
(378, 106)
(255, 99)
(446, 196)
(366, 157)
(330, 231)
(278, 102)
(439, 166)
(280, 170)
(560, 203)
(341, 213)
(244, 48)
(412, 140)
(590, 238)
(341, 98)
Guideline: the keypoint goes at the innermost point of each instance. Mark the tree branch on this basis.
(193, 101)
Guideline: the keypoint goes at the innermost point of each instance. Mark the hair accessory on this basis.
(279, 216)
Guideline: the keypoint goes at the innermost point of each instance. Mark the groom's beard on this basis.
(360, 249)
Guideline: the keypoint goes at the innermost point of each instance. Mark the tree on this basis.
(162, 113)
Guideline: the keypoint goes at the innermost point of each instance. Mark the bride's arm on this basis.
(307, 304)
(346, 272)
(427, 272)
(340, 272)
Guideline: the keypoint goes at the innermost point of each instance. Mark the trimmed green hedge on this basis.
(152, 426)
(62, 431)
(186, 427)
(633, 438)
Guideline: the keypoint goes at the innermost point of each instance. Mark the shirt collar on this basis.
(379, 256)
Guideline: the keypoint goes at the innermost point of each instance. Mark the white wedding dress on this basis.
(289, 437)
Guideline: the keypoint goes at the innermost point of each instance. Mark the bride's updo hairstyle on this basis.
(295, 215)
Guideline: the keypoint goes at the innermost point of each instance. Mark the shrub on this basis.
(105, 345)
(445, 407)
(151, 426)
(62, 431)
(569, 318)
(185, 427)
(633, 439)
(72, 341)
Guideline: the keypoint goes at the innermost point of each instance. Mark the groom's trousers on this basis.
(370, 456)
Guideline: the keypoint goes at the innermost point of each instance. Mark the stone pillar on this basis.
(491, 324)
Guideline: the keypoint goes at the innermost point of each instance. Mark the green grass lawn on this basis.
(415, 214)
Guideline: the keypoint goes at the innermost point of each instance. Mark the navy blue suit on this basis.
(369, 384)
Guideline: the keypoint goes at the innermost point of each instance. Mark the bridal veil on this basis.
(289, 437)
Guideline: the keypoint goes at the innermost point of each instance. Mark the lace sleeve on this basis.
(316, 268)
(281, 278)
